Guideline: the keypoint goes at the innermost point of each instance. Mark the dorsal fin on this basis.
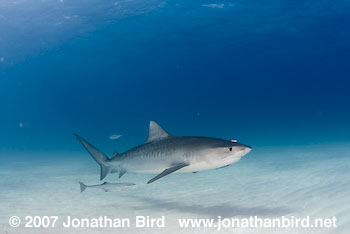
(156, 132)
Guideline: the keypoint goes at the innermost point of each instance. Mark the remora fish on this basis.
(164, 154)
(105, 186)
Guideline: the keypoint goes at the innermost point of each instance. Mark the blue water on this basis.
(268, 73)
(264, 72)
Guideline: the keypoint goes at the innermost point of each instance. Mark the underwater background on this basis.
(274, 75)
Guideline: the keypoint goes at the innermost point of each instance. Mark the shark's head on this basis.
(232, 149)
(223, 150)
(238, 150)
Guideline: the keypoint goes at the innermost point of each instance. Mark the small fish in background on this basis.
(213, 5)
(114, 137)
(106, 186)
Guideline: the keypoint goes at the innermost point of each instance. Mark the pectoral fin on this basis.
(223, 166)
(168, 171)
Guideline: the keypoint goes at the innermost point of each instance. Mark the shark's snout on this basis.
(245, 149)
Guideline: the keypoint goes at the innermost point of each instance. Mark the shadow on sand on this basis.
(223, 210)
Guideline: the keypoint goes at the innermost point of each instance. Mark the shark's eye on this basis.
(230, 149)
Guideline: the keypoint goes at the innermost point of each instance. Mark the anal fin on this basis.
(168, 171)
(114, 170)
(122, 172)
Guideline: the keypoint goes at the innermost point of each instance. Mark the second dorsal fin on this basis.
(115, 155)
(156, 132)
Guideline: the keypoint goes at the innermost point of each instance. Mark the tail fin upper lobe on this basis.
(99, 157)
(82, 187)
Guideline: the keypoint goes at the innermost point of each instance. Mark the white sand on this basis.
(268, 182)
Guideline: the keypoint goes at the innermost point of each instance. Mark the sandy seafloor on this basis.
(269, 182)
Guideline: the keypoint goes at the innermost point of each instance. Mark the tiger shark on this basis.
(163, 154)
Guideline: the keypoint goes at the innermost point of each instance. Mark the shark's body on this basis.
(105, 186)
(166, 154)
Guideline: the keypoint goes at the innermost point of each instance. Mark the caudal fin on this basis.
(99, 157)
(82, 187)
